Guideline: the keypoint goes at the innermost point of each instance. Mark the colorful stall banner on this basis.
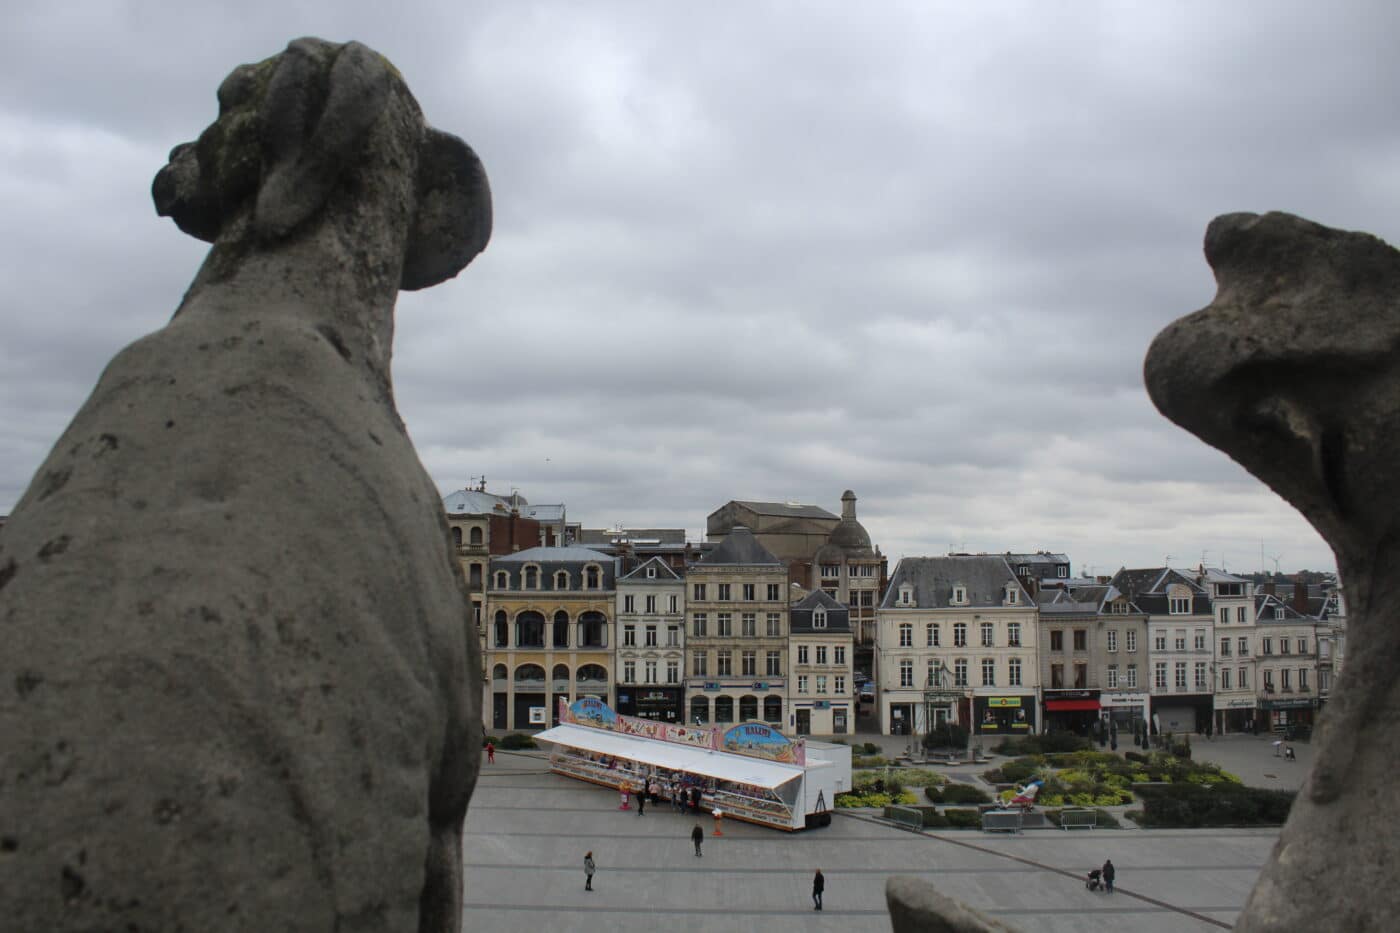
(593, 712)
(589, 711)
(759, 741)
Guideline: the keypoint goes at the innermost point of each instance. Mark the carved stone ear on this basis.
(453, 219)
(308, 146)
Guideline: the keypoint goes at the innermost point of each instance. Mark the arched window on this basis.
(592, 577)
(457, 535)
(498, 677)
(592, 630)
(561, 678)
(476, 537)
(773, 711)
(748, 708)
(529, 677)
(532, 577)
(561, 580)
(502, 580)
(699, 710)
(592, 678)
(561, 629)
(529, 630)
(502, 629)
(724, 709)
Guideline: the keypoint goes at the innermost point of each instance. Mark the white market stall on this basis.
(748, 771)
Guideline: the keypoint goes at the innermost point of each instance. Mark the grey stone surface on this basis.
(236, 690)
(1291, 371)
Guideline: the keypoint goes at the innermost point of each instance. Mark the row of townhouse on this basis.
(975, 640)
(725, 639)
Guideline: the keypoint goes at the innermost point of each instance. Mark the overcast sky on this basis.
(756, 250)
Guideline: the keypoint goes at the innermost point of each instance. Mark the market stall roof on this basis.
(673, 757)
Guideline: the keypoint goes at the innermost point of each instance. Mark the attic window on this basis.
(819, 618)
(1013, 595)
(651, 573)
(959, 595)
(1061, 571)
(906, 595)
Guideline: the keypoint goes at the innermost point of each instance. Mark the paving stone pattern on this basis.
(528, 830)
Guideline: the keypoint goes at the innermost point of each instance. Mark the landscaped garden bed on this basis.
(1100, 779)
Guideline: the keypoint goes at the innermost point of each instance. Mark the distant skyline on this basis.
(757, 250)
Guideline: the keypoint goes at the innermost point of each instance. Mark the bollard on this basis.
(719, 815)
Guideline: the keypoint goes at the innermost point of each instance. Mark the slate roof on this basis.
(664, 574)
(477, 502)
(933, 578)
(740, 547)
(1134, 583)
(789, 510)
(556, 555)
(838, 617)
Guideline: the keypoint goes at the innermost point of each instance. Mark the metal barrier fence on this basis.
(1001, 821)
(1078, 819)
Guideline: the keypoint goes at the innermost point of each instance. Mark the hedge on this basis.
(1190, 805)
(516, 740)
(1042, 744)
(963, 819)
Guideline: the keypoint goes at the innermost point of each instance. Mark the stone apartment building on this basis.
(851, 571)
(1232, 599)
(1287, 661)
(1181, 632)
(651, 642)
(737, 638)
(550, 612)
(1093, 657)
(821, 689)
(964, 623)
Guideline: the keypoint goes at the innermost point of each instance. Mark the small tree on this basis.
(946, 735)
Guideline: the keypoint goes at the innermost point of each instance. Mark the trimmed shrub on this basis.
(870, 748)
(516, 741)
(933, 793)
(875, 761)
(1221, 804)
(963, 819)
(964, 793)
(920, 777)
(947, 735)
(492, 739)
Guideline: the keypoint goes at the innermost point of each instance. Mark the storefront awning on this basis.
(1066, 706)
(673, 757)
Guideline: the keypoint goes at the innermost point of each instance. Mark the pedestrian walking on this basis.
(641, 801)
(490, 754)
(1108, 876)
(697, 836)
(818, 886)
(589, 867)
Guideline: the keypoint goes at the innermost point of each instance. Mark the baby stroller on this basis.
(1094, 882)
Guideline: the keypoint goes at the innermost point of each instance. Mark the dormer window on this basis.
(906, 595)
(959, 595)
(592, 577)
(1013, 595)
(532, 577)
(651, 572)
(502, 580)
(819, 618)
(561, 580)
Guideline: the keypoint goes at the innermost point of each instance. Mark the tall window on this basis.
(748, 624)
(1224, 616)
(724, 625)
(651, 603)
(724, 663)
(819, 618)
(1302, 678)
(749, 664)
(1225, 647)
(697, 592)
(839, 685)
(959, 634)
(673, 672)
(1057, 640)
(774, 592)
(906, 673)
(1224, 678)
(592, 578)
(1081, 640)
(987, 634)
(840, 654)
(698, 666)
(1287, 678)
(629, 672)
(774, 625)
(1130, 640)
(960, 672)
(821, 683)
(1081, 676)
(699, 624)
(629, 603)
(801, 683)
(802, 654)
(1057, 676)
(723, 592)
(1013, 634)
(1180, 640)
(1243, 678)
(906, 634)
(1159, 641)
(651, 636)
(1239, 614)
(1201, 682)
(1159, 675)
(1302, 646)
(748, 592)
(629, 636)
(1112, 676)
(1132, 675)
(931, 635)
(1013, 672)
(1111, 639)
(1243, 646)
(1180, 675)
(673, 603)
(775, 663)
(989, 672)
(651, 672)
(1268, 681)
(1200, 639)
(821, 654)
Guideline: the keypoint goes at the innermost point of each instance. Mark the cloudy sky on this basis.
(756, 250)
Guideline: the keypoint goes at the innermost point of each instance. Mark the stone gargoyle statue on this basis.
(1292, 371)
(239, 687)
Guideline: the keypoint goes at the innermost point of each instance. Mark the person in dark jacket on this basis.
(642, 800)
(589, 867)
(1108, 876)
(697, 836)
(818, 886)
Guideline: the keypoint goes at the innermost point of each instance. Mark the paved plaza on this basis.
(528, 831)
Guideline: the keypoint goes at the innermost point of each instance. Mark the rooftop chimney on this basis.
(848, 506)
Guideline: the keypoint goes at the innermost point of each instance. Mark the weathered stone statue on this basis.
(1292, 371)
(238, 683)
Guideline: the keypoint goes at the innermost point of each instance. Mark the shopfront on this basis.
(1074, 711)
(663, 704)
(1234, 714)
(1288, 712)
(1004, 715)
(1125, 710)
